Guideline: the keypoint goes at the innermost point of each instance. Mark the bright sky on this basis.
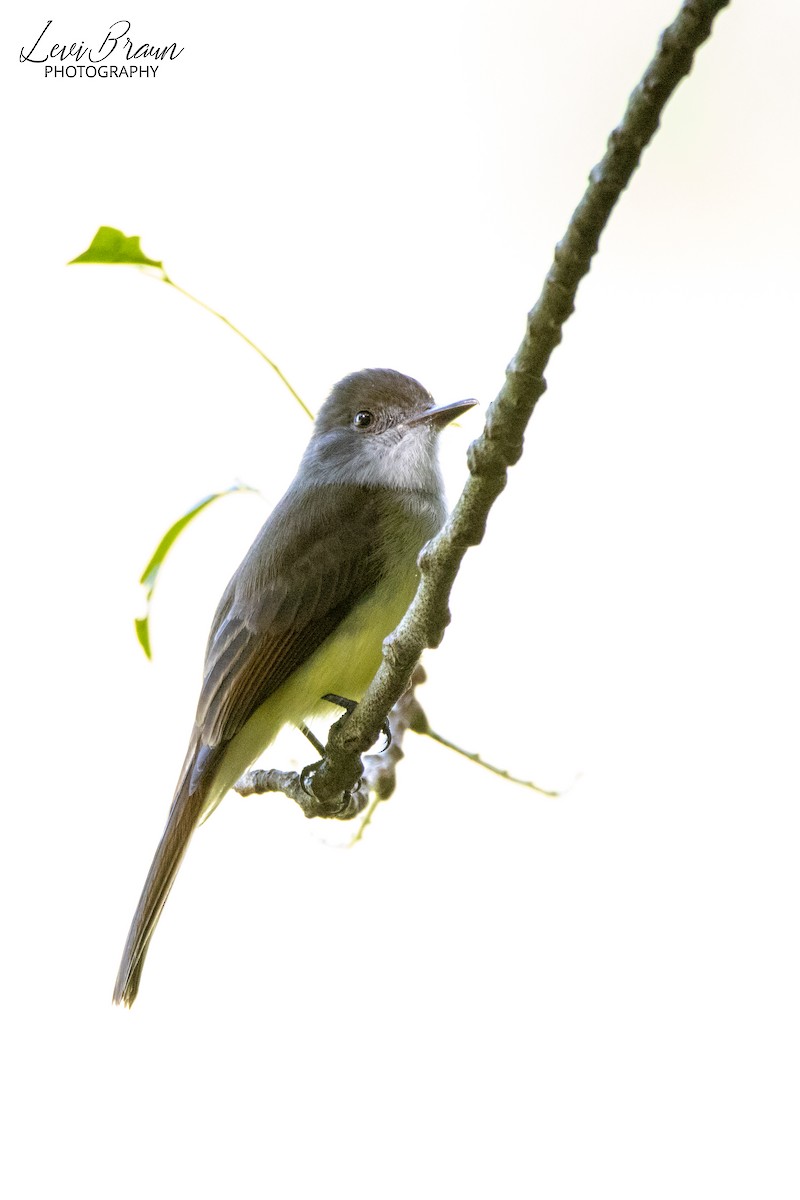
(494, 994)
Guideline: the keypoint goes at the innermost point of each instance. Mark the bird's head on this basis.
(379, 428)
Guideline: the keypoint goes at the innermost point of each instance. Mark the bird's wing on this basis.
(300, 579)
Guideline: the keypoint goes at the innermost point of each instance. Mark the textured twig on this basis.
(380, 776)
(291, 783)
(500, 444)
(380, 769)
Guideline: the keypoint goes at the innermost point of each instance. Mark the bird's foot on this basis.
(350, 706)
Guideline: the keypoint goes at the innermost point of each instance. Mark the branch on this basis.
(333, 779)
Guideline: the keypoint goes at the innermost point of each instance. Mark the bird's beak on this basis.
(443, 414)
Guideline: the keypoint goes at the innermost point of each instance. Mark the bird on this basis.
(327, 578)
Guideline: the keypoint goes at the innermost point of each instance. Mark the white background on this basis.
(494, 994)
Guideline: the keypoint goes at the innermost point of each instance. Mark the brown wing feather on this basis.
(290, 593)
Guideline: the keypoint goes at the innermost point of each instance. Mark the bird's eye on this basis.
(363, 420)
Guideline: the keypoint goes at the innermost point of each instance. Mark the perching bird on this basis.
(329, 575)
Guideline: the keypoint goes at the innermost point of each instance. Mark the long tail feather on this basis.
(183, 819)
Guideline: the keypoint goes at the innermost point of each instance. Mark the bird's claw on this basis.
(350, 706)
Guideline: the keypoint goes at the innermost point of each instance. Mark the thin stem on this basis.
(481, 762)
(366, 820)
(243, 336)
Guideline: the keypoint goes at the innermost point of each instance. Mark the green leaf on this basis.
(151, 571)
(143, 634)
(112, 246)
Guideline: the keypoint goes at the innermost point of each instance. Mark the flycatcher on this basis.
(329, 576)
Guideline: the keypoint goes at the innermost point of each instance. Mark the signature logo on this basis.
(86, 59)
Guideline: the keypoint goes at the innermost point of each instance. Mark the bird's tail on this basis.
(183, 819)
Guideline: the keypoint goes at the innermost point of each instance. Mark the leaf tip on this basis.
(143, 635)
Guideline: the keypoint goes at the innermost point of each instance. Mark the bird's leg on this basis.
(312, 737)
(350, 706)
